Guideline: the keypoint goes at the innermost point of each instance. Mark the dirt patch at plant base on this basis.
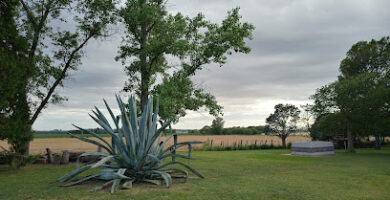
(57, 145)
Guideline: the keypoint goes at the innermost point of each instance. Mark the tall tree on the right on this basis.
(361, 92)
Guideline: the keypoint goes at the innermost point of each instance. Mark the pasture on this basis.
(255, 174)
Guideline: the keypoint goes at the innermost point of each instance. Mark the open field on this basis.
(262, 174)
(39, 145)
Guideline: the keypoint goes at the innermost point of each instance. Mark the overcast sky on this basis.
(297, 47)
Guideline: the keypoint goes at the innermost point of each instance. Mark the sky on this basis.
(297, 47)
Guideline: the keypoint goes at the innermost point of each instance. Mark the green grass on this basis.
(251, 174)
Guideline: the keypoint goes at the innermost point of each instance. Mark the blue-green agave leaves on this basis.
(135, 153)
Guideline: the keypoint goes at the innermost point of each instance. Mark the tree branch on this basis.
(30, 15)
(59, 79)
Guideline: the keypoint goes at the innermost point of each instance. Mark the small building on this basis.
(312, 148)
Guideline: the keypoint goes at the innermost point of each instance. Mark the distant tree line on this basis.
(235, 130)
(217, 128)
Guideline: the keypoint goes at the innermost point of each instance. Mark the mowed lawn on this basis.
(257, 174)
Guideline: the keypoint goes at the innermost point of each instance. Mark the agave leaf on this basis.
(115, 138)
(103, 185)
(133, 119)
(74, 173)
(128, 132)
(81, 180)
(127, 185)
(156, 182)
(116, 182)
(142, 130)
(112, 115)
(105, 126)
(163, 144)
(177, 155)
(182, 164)
(156, 145)
(152, 132)
(174, 170)
(91, 141)
(164, 126)
(111, 174)
(154, 158)
(167, 178)
(103, 161)
(100, 116)
(125, 123)
(89, 154)
(116, 141)
(95, 135)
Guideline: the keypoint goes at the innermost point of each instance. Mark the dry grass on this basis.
(39, 145)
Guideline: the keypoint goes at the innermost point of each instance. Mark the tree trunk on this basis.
(284, 142)
(145, 76)
(26, 145)
(377, 142)
(350, 147)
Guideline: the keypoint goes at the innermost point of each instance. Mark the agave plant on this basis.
(135, 153)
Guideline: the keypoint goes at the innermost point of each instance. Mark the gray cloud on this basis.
(297, 47)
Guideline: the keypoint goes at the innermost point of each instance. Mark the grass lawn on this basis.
(257, 174)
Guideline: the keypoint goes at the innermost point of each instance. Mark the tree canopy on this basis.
(360, 95)
(172, 47)
(45, 41)
(283, 121)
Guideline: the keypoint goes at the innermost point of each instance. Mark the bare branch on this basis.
(30, 15)
(59, 79)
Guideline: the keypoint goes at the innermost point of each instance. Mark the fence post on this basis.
(65, 157)
(49, 155)
(174, 148)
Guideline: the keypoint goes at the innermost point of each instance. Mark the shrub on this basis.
(138, 157)
(207, 146)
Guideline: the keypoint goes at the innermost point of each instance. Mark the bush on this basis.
(209, 146)
(16, 160)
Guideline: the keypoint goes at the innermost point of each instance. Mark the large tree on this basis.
(361, 92)
(217, 126)
(283, 121)
(175, 47)
(13, 77)
(56, 32)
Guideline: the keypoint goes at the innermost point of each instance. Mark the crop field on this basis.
(39, 145)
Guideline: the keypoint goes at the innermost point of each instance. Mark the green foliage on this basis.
(358, 100)
(140, 156)
(178, 93)
(283, 121)
(153, 35)
(41, 43)
(217, 126)
(209, 146)
(372, 56)
(235, 130)
(327, 126)
(14, 112)
(16, 160)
